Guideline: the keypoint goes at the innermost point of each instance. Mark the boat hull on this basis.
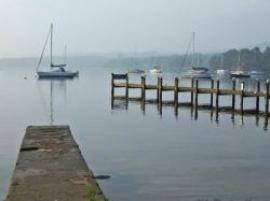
(137, 71)
(155, 71)
(222, 72)
(197, 74)
(58, 74)
(193, 76)
(240, 75)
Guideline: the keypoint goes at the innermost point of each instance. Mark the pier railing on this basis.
(214, 91)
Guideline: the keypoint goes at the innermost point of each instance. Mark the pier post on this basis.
(242, 97)
(212, 93)
(233, 94)
(127, 87)
(160, 90)
(258, 97)
(191, 93)
(143, 88)
(112, 86)
(196, 93)
(176, 82)
(267, 98)
(217, 97)
(158, 83)
(160, 95)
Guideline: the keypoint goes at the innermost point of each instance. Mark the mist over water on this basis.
(150, 155)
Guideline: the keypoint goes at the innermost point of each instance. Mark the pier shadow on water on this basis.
(215, 116)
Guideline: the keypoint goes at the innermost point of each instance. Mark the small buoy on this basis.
(25, 78)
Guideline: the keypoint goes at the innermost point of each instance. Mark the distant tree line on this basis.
(244, 59)
(170, 62)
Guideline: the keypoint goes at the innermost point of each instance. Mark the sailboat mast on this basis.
(51, 50)
(65, 55)
(193, 48)
(239, 59)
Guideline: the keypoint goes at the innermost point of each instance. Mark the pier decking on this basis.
(50, 167)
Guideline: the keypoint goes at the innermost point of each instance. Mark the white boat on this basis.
(155, 70)
(196, 74)
(59, 73)
(239, 74)
(222, 72)
(57, 70)
(255, 73)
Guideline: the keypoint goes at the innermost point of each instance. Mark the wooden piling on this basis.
(212, 93)
(258, 90)
(217, 97)
(160, 86)
(267, 98)
(233, 94)
(127, 87)
(242, 97)
(191, 92)
(112, 85)
(196, 93)
(158, 83)
(176, 82)
(160, 90)
(143, 88)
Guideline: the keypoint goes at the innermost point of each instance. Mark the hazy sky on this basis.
(97, 26)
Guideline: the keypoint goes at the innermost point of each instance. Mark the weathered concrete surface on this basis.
(50, 167)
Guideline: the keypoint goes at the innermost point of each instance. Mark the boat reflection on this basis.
(49, 91)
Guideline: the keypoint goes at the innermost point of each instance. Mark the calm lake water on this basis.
(148, 156)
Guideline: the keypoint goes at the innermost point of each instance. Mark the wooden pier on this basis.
(50, 167)
(214, 91)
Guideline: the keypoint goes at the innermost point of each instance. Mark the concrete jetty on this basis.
(50, 167)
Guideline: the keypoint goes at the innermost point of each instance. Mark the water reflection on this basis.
(117, 104)
(214, 115)
(52, 88)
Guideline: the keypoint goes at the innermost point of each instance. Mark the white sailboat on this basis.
(196, 71)
(222, 71)
(239, 73)
(155, 70)
(57, 70)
